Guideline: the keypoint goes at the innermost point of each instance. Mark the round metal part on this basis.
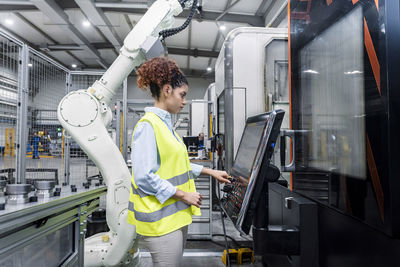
(17, 199)
(79, 109)
(3, 184)
(18, 189)
(44, 185)
(44, 193)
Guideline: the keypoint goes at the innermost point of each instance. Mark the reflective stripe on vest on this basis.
(159, 214)
(175, 181)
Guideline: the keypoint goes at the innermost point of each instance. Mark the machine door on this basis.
(276, 77)
(338, 109)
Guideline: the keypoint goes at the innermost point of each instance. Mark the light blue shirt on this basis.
(146, 159)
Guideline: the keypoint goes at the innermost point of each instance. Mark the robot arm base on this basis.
(96, 248)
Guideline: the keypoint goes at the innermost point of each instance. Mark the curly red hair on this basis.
(157, 72)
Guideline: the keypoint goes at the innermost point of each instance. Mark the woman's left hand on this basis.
(221, 176)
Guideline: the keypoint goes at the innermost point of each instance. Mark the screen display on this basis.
(191, 141)
(248, 148)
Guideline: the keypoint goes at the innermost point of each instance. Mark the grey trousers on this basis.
(166, 250)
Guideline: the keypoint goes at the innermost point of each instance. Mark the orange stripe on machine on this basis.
(372, 56)
(376, 183)
(377, 4)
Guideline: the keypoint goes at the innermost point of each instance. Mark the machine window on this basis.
(332, 98)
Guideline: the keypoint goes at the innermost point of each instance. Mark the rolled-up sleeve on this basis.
(145, 164)
(196, 169)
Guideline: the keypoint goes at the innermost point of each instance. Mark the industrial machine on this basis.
(244, 85)
(344, 78)
(344, 72)
(84, 114)
(256, 200)
(342, 205)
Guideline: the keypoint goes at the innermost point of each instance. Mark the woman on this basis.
(163, 195)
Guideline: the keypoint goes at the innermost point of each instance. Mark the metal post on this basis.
(80, 237)
(189, 131)
(229, 128)
(210, 112)
(125, 119)
(67, 166)
(118, 125)
(23, 90)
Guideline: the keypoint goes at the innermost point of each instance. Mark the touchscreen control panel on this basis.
(255, 150)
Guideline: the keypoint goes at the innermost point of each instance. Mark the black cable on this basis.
(223, 227)
(217, 243)
(231, 238)
(182, 2)
(169, 32)
(289, 257)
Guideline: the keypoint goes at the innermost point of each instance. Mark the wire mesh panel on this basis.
(47, 86)
(135, 113)
(9, 55)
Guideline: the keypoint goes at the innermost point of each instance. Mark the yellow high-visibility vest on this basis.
(150, 217)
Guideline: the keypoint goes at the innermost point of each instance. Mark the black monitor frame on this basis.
(261, 164)
(191, 141)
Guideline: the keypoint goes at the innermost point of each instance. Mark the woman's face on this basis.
(176, 99)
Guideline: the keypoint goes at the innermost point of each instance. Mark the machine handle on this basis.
(291, 167)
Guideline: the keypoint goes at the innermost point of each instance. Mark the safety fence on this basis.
(33, 144)
(9, 56)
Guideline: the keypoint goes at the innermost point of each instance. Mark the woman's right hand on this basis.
(190, 198)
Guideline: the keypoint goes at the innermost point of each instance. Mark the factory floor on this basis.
(201, 253)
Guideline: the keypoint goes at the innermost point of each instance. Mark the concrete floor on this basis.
(200, 261)
(209, 252)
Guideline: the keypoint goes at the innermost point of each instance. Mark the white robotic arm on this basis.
(133, 53)
(84, 114)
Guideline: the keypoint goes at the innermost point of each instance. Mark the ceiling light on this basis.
(222, 27)
(86, 23)
(30, 64)
(9, 21)
(74, 65)
(311, 71)
(353, 72)
(209, 69)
